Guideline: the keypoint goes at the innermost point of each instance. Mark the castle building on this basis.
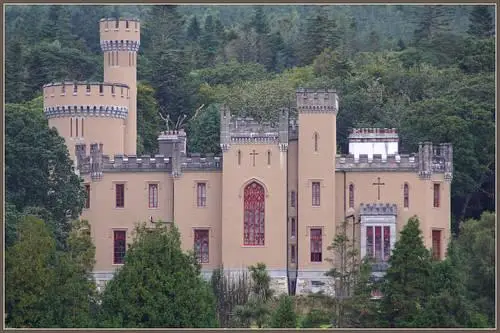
(276, 195)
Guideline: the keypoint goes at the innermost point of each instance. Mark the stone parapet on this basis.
(377, 163)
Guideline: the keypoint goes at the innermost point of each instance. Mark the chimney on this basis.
(169, 140)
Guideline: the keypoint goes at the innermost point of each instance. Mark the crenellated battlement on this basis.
(68, 99)
(373, 135)
(429, 159)
(197, 161)
(246, 130)
(97, 163)
(401, 162)
(120, 34)
(317, 101)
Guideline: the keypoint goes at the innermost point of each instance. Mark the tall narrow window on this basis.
(254, 212)
(153, 196)
(120, 246)
(292, 199)
(109, 58)
(117, 24)
(315, 193)
(316, 245)
(113, 89)
(129, 59)
(82, 125)
(120, 195)
(126, 24)
(378, 243)
(239, 157)
(369, 242)
(63, 89)
(436, 195)
(406, 196)
(70, 126)
(387, 243)
(101, 89)
(293, 257)
(117, 61)
(351, 195)
(201, 245)
(315, 141)
(87, 196)
(75, 88)
(436, 244)
(268, 157)
(76, 127)
(201, 194)
(87, 89)
(293, 227)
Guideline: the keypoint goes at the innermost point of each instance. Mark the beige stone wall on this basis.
(235, 177)
(104, 216)
(109, 31)
(293, 150)
(97, 127)
(316, 166)
(120, 67)
(420, 200)
(188, 216)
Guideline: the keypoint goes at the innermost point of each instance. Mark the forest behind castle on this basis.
(428, 71)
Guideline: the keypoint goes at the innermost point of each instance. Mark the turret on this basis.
(120, 40)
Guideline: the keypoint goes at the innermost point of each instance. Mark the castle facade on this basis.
(277, 195)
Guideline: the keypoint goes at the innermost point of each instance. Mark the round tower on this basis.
(120, 40)
(85, 112)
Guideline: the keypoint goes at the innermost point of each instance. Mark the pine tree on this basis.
(432, 20)
(481, 22)
(194, 30)
(284, 316)
(408, 279)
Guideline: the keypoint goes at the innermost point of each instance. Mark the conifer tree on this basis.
(408, 280)
(284, 315)
(481, 22)
(159, 285)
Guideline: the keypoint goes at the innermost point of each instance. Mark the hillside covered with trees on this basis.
(428, 71)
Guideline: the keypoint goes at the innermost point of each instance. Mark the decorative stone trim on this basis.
(378, 209)
(113, 111)
(255, 140)
(283, 147)
(317, 109)
(120, 45)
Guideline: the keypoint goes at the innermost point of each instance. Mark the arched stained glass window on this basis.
(254, 212)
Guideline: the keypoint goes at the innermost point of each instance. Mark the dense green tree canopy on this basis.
(39, 172)
(158, 286)
(46, 287)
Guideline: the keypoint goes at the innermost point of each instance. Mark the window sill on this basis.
(253, 246)
(153, 208)
(117, 264)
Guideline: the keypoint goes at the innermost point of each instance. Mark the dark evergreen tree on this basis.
(158, 286)
(194, 30)
(431, 20)
(481, 22)
(39, 171)
(284, 315)
(408, 280)
(15, 88)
